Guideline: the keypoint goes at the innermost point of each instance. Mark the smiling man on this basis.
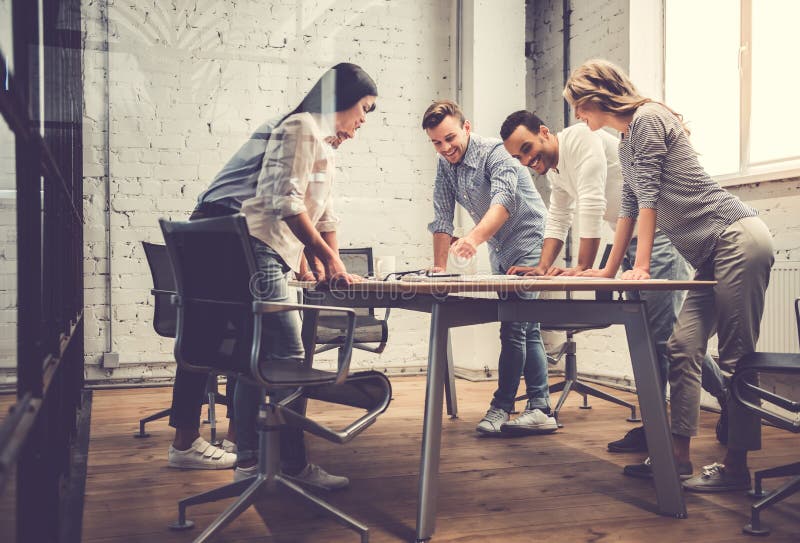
(509, 216)
(584, 172)
(583, 169)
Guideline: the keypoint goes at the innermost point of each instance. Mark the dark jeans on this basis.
(280, 339)
(189, 390)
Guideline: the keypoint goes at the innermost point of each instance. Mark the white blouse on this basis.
(296, 176)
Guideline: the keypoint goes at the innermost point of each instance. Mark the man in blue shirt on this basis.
(509, 216)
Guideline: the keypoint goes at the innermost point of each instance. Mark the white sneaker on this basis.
(313, 475)
(531, 421)
(201, 455)
(228, 446)
(492, 421)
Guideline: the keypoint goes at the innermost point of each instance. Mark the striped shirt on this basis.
(488, 175)
(237, 180)
(660, 171)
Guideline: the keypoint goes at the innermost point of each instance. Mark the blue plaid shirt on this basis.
(488, 175)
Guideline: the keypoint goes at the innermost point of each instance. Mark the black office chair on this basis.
(568, 350)
(165, 317)
(750, 395)
(371, 332)
(219, 330)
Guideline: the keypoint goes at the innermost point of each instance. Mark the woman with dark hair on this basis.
(298, 167)
(282, 180)
(291, 213)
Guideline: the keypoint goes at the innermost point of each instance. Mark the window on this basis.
(728, 68)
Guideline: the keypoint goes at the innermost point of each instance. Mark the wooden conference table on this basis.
(450, 306)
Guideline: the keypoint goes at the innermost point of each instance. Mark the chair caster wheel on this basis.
(748, 529)
(140, 435)
(178, 527)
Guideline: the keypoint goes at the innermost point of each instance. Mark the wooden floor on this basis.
(563, 487)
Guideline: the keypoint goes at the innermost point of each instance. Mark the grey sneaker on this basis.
(492, 421)
(716, 478)
(531, 421)
(245, 473)
(201, 455)
(313, 475)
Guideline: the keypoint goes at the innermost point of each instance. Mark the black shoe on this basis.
(634, 441)
(645, 470)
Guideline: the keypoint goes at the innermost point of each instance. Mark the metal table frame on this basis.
(451, 311)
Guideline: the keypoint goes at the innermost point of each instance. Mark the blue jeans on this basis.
(521, 354)
(663, 307)
(280, 338)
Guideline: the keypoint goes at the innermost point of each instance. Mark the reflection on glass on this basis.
(773, 121)
(6, 37)
(701, 77)
(8, 305)
(8, 255)
(8, 492)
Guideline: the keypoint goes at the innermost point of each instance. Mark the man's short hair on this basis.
(523, 117)
(440, 109)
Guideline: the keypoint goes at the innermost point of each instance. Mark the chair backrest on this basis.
(165, 315)
(214, 265)
(359, 261)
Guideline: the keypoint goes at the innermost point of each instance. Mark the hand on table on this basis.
(526, 270)
(636, 274)
(592, 272)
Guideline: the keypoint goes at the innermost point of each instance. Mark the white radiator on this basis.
(778, 326)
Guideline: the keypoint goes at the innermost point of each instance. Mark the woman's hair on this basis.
(339, 89)
(604, 85)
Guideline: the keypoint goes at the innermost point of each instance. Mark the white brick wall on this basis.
(187, 87)
(8, 283)
(598, 29)
(8, 246)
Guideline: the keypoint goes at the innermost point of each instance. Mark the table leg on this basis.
(432, 426)
(450, 381)
(654, 414)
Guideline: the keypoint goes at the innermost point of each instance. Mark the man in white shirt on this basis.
(583, 169)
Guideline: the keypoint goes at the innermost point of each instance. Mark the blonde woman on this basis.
(665, 187)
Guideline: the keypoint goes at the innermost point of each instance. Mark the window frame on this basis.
(648, 22)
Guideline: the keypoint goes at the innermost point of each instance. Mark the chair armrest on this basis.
(739, 384)
(278, 307)
(352, 395)
(159, 292)
(346, 348)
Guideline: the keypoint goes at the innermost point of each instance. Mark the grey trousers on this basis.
(740, 263)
